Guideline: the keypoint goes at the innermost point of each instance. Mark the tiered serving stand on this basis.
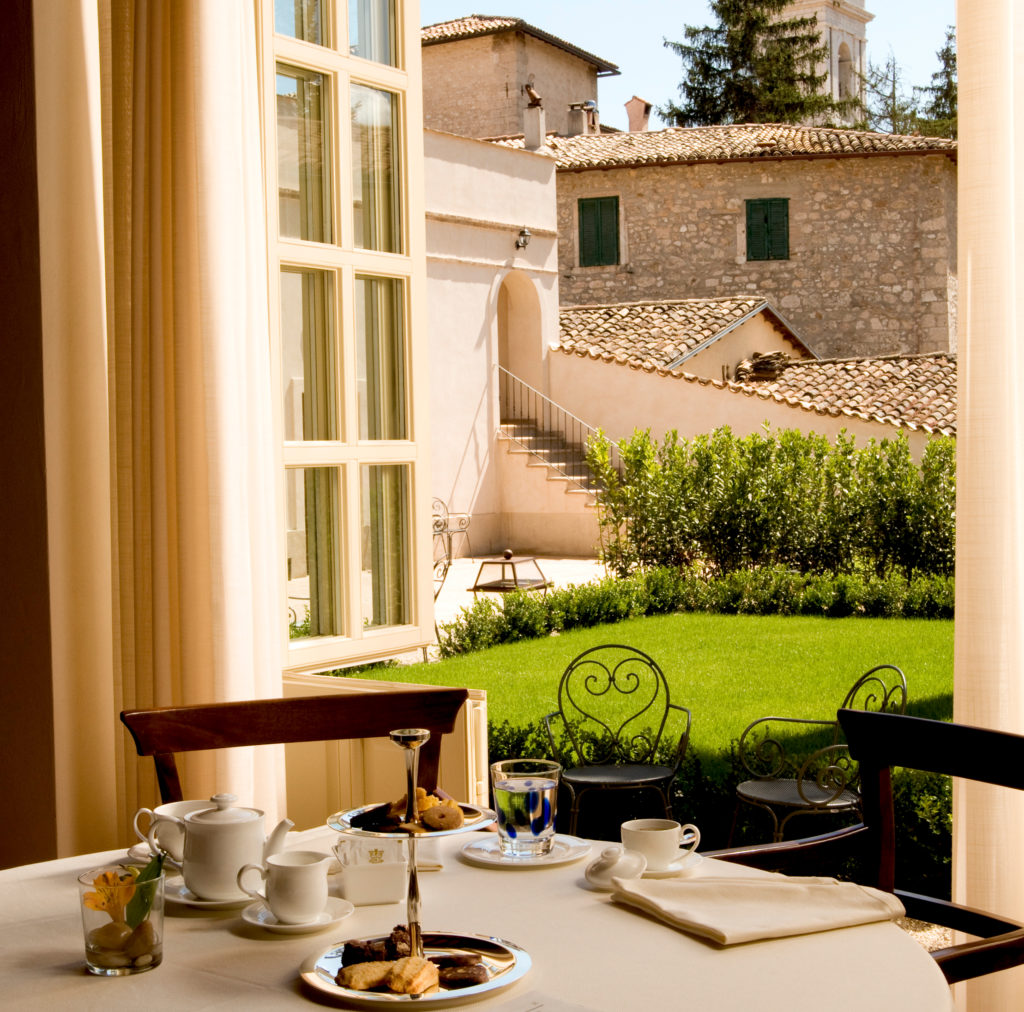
(506, 963)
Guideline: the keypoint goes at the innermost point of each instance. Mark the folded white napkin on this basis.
(731, 909)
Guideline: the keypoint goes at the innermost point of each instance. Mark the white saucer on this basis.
(259, 914)
(486, 851)
(677, 869)
(175, 891)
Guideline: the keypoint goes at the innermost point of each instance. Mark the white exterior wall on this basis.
(478, 197)
(619, 399)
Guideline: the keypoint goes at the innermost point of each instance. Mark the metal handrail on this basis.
(522, 403)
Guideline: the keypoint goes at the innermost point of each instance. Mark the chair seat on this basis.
(625, 775)
(786, 793)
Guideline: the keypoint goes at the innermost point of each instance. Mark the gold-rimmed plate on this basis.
(474, 817)
(506, 963)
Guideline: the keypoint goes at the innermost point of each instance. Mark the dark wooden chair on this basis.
(613, 707)
(877, 742)
(164, 731)
(802, 767)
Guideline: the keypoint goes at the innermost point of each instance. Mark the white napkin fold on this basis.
(731, 909)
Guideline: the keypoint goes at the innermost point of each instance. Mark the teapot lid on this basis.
(224, 813)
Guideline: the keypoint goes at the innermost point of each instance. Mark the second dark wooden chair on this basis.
(878, 742)
(164, 731)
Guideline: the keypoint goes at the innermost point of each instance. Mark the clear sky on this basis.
(630, 33)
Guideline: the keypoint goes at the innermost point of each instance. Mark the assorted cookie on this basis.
(386, 964)
(433, 813)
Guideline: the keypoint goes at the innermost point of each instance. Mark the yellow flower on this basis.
(113, 892)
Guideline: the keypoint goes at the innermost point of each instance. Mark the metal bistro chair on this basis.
(613, 704)
(821, 779)
(878, 742)
(164, 731)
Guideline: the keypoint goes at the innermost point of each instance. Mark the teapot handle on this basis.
(155, 848)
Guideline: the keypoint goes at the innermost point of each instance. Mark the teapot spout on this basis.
(275, 842)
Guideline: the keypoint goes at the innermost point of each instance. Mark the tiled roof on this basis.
(475, 25)
(916, 392)
(739, 142)
(662, 334)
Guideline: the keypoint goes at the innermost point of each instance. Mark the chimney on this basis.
(533, 127)
(577, 120)
(638, 111)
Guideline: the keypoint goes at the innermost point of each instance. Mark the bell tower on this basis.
(842, 24)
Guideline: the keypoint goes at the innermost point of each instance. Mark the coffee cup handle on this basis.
(155, 848)
(241, 873)
(135, 822)
(691, 844)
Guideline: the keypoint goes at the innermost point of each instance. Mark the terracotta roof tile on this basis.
(917, 392)
(661, 334)
(474, 25)
(901, 389)
(747, 141)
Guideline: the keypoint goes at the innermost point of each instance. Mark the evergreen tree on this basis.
(753, 66)
(887, 108)
(939, 111)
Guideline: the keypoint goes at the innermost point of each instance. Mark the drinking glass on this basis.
(525, 796)
(122, 920)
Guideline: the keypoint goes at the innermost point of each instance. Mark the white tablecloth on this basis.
(587, 952)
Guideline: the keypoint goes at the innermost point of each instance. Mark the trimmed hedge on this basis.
(783, 498)
(775, 591)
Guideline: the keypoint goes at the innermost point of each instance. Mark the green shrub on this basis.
(781, 499)
(773, 591)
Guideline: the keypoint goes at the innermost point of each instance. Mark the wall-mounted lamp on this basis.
(523, 240)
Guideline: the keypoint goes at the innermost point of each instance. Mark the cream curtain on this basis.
(989, 664)
(188, 582)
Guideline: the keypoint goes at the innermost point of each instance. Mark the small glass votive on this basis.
(122, 919)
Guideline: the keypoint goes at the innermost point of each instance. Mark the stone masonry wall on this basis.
(473, 87)
(872, 268)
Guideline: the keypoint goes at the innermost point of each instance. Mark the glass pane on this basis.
(380, 357)
(385, 526)
(307, 342)
(304, 192)
(371, 30)
(374, 169)
(300, 19)
(314, 599)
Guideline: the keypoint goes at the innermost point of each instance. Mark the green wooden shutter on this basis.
(768, 229)
(599, 231)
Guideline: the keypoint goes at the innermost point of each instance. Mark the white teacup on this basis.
(169, 835)
(659, 840)
(296, 885)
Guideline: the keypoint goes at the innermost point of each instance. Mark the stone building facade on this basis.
(476, 71)
(870, 267)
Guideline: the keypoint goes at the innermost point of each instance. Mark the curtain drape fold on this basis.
(190, 579)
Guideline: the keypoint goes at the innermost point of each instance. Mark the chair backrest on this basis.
(879, 741)
(882, 689)
(614, 702)
(164, 731)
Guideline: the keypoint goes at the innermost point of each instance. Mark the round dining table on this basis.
(587, 952)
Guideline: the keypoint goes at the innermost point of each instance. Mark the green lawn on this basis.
(728, 669)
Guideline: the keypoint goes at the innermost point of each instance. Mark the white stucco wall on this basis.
(620, 399)
(758, 334)
(478, 197)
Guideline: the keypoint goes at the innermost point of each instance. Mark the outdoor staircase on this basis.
(534, 424)
(564, 460)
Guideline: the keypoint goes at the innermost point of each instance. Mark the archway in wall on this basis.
(846, 86)
(520, 348)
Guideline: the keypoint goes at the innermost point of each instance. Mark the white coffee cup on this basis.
(660, 840)
(296, 885)
(169, 835)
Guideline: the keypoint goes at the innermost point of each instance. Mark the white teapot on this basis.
(219, 842)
